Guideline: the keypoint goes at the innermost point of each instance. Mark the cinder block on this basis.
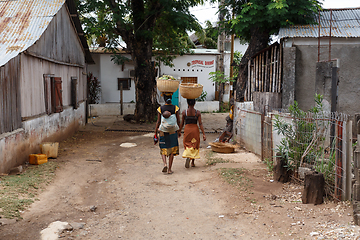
(356, 192)
(357, 158)
(356, 207)
(357, 219)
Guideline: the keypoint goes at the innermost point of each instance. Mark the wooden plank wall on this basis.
(10, 110)
(265, 72)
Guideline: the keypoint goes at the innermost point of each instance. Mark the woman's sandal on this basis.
(164, 169)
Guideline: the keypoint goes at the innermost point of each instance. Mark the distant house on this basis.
(43, 66)
(193, 68)
(311, 51)
(306, 61)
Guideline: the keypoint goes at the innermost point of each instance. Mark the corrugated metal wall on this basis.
(10, 118)
(60, 41)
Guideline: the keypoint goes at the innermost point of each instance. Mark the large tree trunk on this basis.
(259, 40)
(139, 44)
(145, 84)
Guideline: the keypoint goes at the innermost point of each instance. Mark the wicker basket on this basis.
(222, 147)
(166, 85)
(190, 90)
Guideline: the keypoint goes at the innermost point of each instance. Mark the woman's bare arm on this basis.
(157, 123)
(201, 126)
(182, 123)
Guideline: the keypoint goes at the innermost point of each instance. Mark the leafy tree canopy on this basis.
(256, 20)
(161, 23)
(267, 15)
(145, 26)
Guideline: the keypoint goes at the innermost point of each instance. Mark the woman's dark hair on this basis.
(191, 102)
(167, 99)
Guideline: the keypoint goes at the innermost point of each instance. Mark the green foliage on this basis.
(160, 26)
(94, 89)
(211, 160)
(119, 59)
(18, 191)
(202, 97)
(237, 59)
(269, 164)
(220, 77)
(267, 16)
(208, 36)
(302, 137)
(326, 164)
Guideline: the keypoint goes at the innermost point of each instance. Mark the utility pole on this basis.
(220, 62)
(232, 55)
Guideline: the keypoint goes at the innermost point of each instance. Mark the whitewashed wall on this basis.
(108, 72)
(16, 146)
(195, 65)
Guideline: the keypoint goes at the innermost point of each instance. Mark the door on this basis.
(175, 98)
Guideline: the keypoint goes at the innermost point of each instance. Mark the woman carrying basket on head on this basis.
(167, 125)
(191, 118)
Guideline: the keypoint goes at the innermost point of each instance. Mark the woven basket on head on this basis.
(190, 90)
(222, 147)
(166, 85)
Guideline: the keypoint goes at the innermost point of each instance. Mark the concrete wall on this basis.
(16, 146)
(206, 106)
(289, 69)
(110, 109)
(247, 127)
(113, 109)
(347, 52)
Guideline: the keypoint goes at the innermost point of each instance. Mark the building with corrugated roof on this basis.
(43, 66)
(310, 52)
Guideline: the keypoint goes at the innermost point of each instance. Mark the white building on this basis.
(195, 67)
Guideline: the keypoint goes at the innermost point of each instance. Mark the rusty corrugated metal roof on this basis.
(22, 23)
(345, 23)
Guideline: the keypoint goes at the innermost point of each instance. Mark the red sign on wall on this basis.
(201, 63)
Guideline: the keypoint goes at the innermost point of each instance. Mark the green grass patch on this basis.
(211, 160)
(18, 191)
(236, 177)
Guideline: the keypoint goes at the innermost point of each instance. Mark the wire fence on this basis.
(318, 142)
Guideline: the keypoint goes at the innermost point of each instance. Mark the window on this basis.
(126, 83)
(74, 92)
(189, 79)
(53, 94)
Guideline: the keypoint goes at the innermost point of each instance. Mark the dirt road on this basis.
(113, 192)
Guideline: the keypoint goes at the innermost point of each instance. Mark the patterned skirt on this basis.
(191, 141)
(169, 143)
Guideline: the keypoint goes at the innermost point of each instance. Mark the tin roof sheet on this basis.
(343, 22)
(22, 23)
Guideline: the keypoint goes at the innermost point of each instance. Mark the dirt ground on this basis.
(113, 192)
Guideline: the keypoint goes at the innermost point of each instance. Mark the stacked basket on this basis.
(190, 90)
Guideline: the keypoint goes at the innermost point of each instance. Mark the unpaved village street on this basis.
(110, 192)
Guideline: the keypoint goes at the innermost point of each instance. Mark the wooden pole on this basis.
(121, 99)
(280, 70)
(271, 68)
(248, 89)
